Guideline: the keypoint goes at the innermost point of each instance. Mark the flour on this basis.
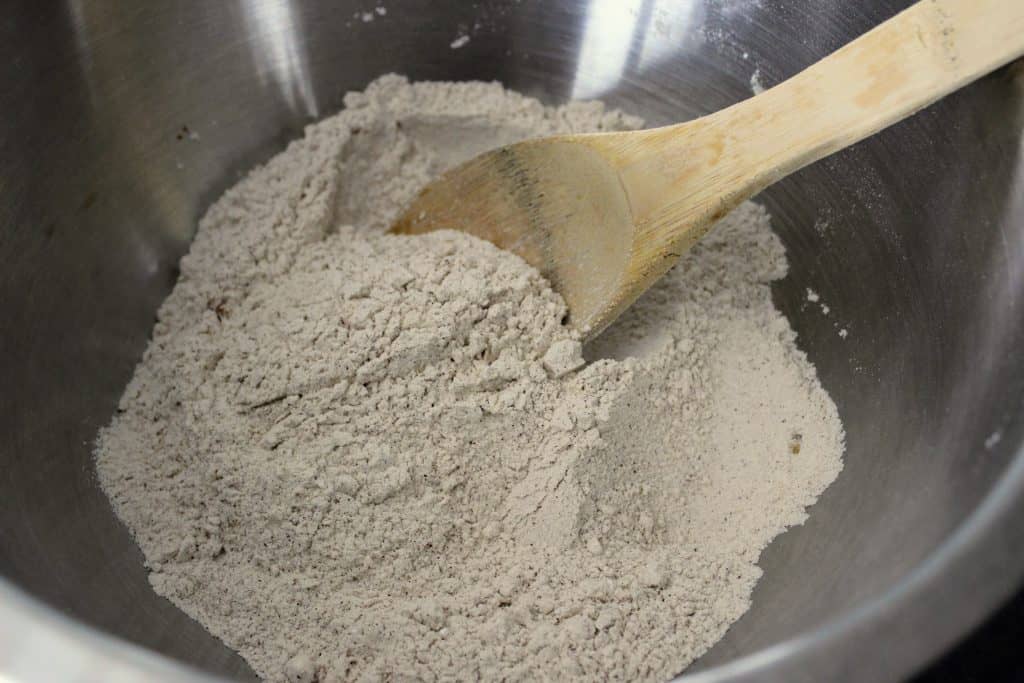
(359, 456)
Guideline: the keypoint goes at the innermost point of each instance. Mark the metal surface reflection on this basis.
(278, 52)
(622, 38)
(915, 239)
(608, 35)
(671, 26)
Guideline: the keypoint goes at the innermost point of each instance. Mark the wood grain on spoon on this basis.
(604, 216)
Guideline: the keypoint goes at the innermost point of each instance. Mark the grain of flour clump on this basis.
(358, 456)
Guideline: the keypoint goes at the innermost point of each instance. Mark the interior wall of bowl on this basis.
(122, 123)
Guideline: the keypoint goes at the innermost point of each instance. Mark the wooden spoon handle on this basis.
(683, 178)
(919, 56)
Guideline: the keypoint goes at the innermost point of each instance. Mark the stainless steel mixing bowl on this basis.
(121, 121)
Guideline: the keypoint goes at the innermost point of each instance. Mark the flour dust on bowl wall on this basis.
(353, 455)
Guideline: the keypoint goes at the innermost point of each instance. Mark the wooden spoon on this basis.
(604, 216)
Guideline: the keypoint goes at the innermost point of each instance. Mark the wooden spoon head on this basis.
(557, 203)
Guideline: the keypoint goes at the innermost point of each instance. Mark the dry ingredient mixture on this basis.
(355, 456)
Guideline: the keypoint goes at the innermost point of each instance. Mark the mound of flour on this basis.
(358, 456)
